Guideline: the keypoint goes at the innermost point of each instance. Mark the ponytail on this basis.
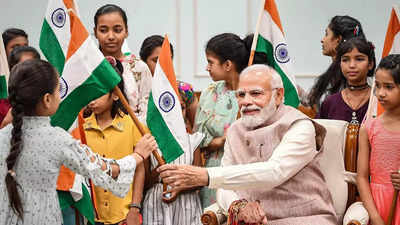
(17, 112)
(29, 82)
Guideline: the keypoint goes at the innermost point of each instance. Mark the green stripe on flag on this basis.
(102, 80)
(169, 147)
(3, 87)
(50, 47)
(84, 206)
(291, 96)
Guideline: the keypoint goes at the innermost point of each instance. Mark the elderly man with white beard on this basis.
(270, 170)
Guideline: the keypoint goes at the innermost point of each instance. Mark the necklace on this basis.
(354, 107)
(358, 87)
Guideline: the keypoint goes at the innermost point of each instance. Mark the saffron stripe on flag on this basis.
(164, 113)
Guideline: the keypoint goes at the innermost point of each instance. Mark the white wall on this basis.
(190, 23)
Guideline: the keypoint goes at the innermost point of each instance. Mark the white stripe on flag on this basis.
(81, 64)
(160, 84)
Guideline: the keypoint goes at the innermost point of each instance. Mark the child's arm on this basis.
(363, 177)
(138, 184)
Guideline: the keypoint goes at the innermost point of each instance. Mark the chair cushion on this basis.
(332, 163)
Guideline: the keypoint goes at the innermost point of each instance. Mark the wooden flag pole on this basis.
(159, 158)
(393, 207)
(125, 103)
(255, 38)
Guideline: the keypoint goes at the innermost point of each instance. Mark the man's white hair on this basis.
(276, 81)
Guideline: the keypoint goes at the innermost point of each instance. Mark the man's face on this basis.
(257, 99)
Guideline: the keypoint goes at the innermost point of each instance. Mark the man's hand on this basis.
(182, 177)
(252, 213)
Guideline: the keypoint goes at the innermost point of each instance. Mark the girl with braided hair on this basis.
(32, 151)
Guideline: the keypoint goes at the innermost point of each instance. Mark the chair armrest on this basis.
(213, 215)
(356, 214)
(209, 218)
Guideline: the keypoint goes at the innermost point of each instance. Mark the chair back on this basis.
(332, 163)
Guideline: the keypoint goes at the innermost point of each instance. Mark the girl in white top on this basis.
(111, 30)
(32, 151)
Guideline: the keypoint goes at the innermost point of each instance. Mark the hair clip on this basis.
(356, 30)
(12, 173)
(111, 60)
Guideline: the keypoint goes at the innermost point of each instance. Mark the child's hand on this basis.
(395, 177)
(146, 145)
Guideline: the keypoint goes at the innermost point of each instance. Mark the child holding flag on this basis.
(111, 133)
(33, 151)
(379, 144)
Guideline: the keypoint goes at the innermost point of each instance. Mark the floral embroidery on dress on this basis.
(217, 110)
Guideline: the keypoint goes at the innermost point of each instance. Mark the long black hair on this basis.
(228, 46)
(336, 80)
(345, 27)
(29, 82)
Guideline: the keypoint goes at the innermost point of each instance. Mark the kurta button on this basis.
(104, 156)
(247, 142)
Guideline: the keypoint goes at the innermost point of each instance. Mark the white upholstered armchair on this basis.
(338, 164)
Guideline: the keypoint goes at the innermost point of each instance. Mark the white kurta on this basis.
(45, 149)
(295, 151)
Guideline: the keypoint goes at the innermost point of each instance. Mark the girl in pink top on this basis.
(379, 147)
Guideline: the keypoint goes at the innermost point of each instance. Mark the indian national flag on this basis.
(84, 75)
(4, 70)
(164, 113)
(391, 46)
(271, 41)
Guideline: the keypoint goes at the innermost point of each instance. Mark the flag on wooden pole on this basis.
(164, 113)
(271, 41)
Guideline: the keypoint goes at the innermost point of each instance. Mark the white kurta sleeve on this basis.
(296, 150)
(226, 197)
(75, 157)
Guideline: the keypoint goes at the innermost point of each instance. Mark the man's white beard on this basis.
(253, 121)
